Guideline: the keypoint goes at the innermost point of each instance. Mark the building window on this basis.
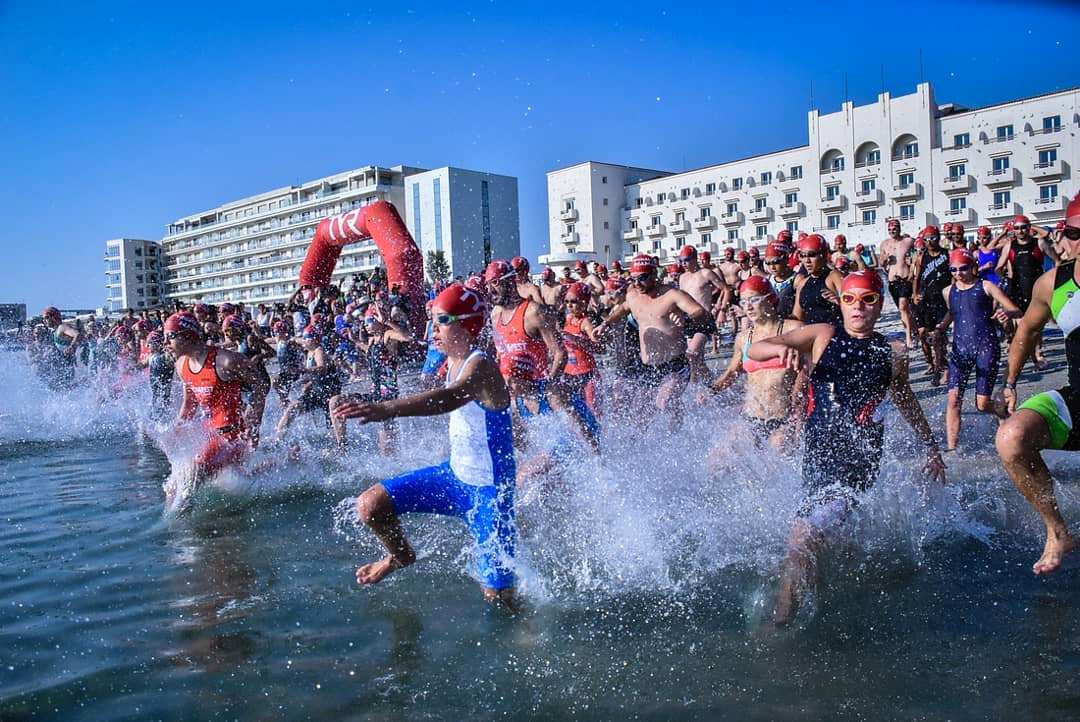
(436, 189)
(1052, 124)
(1002, 199)
(706, 238)
(837, 164)
(705, 212)
(831, 192)
(958, 204)
(603, 179)
(684, 193)
(957, 171)
(760, 231)
(1005, 132)
(869, 217)
(1047, 157)
(568, 205)
(605, 201)
(710, 188)
(680, 216)
(793, 227)
(1048, 193)
(633, 224)
(868, 185)
(654, 221)
(833, 222)
(766, 177)
(736, 184)
(733, 235)
(873, 157)
(1000, 164)
(640, 201)
(796, 172)
(605, 225)
(910, 150)
(961, 140)
(417, 231)
(660, 197)
(760, 203)
(732, 209)
(905, 180)
(791, 198)
(907, 212)
(569, 229)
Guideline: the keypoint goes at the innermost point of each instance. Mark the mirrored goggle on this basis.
(959, 269)
(850, 299)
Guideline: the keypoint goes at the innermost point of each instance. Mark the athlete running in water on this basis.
(323, 382)
(526, 288)
(1051, 419)
(161, 368)
(709, 290)
(551, 291)
(213, 381)
(989, 255)
(666, 317)
(853, 368)
(816, 293)
(66, 338)
(531, 353)
(781, 278)
(582, 373)
(770, 386)
(476, 484)
(931, 279)
(975, 344)
(1024, 248)
(895, 251)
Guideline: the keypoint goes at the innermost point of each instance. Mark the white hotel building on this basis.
(132, 274)
(902, 157)
(252, 249)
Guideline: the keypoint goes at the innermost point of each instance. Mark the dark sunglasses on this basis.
(772, 261)
(809, 254)
(959, 269)
(640, 277)
(1073, 234)
(1020, 228)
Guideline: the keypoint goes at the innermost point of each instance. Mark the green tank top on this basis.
(1065, 307)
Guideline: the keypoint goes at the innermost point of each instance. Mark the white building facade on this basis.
(252, 249)
(901, 157)
(472, 217)
(132, 274)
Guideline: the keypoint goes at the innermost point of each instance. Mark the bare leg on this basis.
(287, 418)
(953, 411)
(338, 424)
(695, 354)
(669, 397)
(557, 397)
(799, 571)
(907, 320)
(937, 342)
(988, 405)
(376, 509)
(1020, 439)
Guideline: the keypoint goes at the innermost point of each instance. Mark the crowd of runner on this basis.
(499, 348)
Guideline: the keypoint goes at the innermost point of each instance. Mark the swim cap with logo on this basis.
(643, 263)
(498, 271)
(457, 300)
(814, 242)
(757, 286)
(183, 322)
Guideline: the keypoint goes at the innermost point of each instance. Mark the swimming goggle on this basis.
(640, 277)
(445, 319)
(752, 300)
(1020, 228)
(1073, 234)
(959, 269)
(809, 254)
(850, 299)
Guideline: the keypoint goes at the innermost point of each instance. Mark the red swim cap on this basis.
(930, 231)
(473, 283)
(742, 256)
(757, 286)
(548, 274)
(581, 266)
(754, 252)
(233, 321)
(705, 257)
(863, 281)
(614, 283)
(577, 291)
(687, 252)
(674, 268)
(616, 266)
(842, 263)
(957, 228)
(226, 309)
(812, 243)
(946, 227)
(920, 243)
(1072, 213)
(859, 248)
(279, 328)
(520, 264)
(642, 263)
(601, 270)
(498, 271)
(183, 322)
(984, 231)
(960, 256)
(51, 312)
(892, 222)
(784, 236)
(775, 250)
(1021, 219)
(155, 338)
(840, 238)
(457, 300)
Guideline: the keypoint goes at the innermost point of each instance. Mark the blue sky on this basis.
(118, 118)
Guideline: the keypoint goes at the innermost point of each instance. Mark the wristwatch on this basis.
(1010, 385)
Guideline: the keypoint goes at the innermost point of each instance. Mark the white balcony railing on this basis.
(907, 191)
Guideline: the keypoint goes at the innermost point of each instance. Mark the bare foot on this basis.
(1057, 546)
(377, 571)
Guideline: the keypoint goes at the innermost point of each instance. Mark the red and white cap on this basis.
(960, 256)
(742, 256)
(687, 253)
(183, 322)
(757, 286)
(839, 240)
(983, 232)
(520, 264)
(946, 227)
(232, 321)
(457, 300)
(614, 283)
(705, 257)
(498, 270)
(930, 231)
(957, 228)
(1021, 219)
(813, 242)
(775, 250)
(643, 263)
(577, 291)
(581, 267)
(784, 236)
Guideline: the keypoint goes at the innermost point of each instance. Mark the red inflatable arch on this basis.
(379, 221)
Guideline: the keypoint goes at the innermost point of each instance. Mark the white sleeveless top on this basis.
(481, 441)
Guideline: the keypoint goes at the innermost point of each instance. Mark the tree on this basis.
(437, 267)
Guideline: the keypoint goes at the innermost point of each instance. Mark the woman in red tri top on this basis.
(213, 380)
(579, 337)
(771, 388)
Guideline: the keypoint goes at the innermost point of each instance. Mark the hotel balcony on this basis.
(1006, 177)
(705, 224)
(679, 227)
(960, 215)
(873, 197)
(634, 234)
(836, 203)
(793, 210)
(910, 191)
(732, 219)
(656, 231)
(568, 215)
(1002, 210)
(760, 215)
(570, 239)
(1051, 169)
(956, 184)
(1048, 206)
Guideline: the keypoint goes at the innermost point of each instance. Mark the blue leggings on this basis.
(488, 512)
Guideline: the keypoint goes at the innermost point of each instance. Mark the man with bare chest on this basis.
(709, 290)
(729, 269)
(895, 259)
(526, 288)
(666, 317)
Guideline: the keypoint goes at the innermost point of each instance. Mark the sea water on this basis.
(647, 577)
